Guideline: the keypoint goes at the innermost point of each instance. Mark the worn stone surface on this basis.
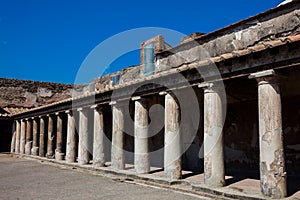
(23, 137)
(272, 159)
(34, 150)
(59, 138)
(71, 146)
(18, 136)
(42, 137)
(141, 144)
(172, 150)
(13, 140)
(213, 137)
(50, 153)
(241, 36)
(117, 152)
(98, 147)
(83, 152)
(22, 93)
(28, 137)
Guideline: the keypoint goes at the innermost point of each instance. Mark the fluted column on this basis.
(71, 139)
(13, 139)
(83, 152)
(42, 137)
(141, 147)
(59, 155)
(272, 159)
(214, 172)
(18, 136)
(117, 152)
(98, 150)
(23, 136)
(35, 148)
(28, 137)
(50, 153)
(172, 149)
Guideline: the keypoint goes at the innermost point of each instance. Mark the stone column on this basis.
(13, 139)
(28, 137)
(59, 155)
(141, 147)
(50, 153)
(117, 152)
(214, 172)
(172, 150)
(98, 151)
(83, 152)
(18, 136)
(35, 148)
(42, 137)
(23, 136)
(71, 139)
(272, 159)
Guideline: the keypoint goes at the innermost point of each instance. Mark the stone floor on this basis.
(248, 186)
(238, 186)
(28, 179)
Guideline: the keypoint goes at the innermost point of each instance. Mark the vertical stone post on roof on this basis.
(172, 149)
(50, 153)
(98, 150)
(35, 148)
(141, 146)
(214, 172)
(83, 152)
(28, 137)
(18, 136)
(71, 138)
(59, 155)
(117, 152)
(272, 159)
(42, 137)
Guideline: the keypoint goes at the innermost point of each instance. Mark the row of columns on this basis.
(272, 166)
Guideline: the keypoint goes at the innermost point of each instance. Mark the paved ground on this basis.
(26, 179)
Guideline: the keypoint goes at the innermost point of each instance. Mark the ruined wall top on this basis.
(271, 25)
(16, 95)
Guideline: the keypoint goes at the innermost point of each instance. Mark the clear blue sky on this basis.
(47, 40)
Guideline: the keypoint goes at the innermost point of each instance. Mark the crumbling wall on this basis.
(283, 22)
(21, 93)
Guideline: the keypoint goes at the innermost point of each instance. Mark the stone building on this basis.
(215, 103)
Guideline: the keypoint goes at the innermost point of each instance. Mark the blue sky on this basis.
(48, 40)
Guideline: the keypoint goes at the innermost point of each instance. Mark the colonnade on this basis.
(272, 164)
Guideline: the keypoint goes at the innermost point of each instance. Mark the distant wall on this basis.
(21, 93)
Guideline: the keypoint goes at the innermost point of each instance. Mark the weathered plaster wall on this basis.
(281, 23)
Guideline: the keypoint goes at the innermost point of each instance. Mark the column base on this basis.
(35, 151)
(98, 163)
(50, 155)
(28, 148)
(59, 155)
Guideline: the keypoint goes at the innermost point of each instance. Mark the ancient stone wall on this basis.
(21, 93)
(281, 23)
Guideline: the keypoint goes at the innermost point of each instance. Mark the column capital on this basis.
(136, 98)
(163, 93)
(265, 77)
(260, 74)
(211, 87)
(69, 112)
(119, 103)
(82, 109)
